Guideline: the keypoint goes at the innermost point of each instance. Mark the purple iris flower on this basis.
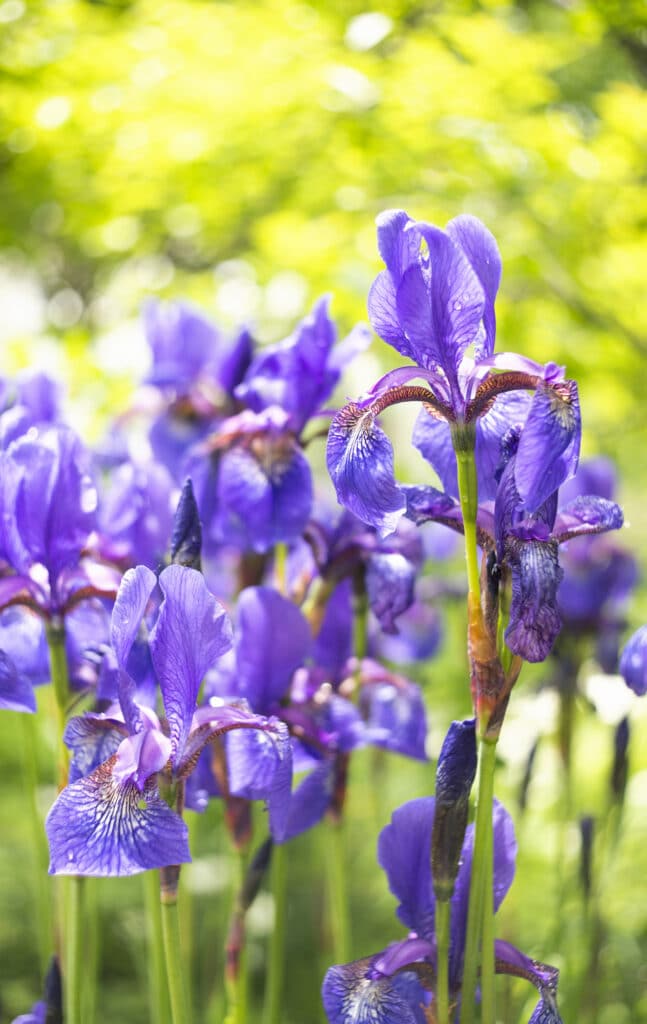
(524, 544)
(48, 511)
(33, 399)
(253, 482)
(37, 1015)
(268, 669)
(385, 569)
(633, 662)
(434, 303)
(120, 813)
(136, 515)
(395, 986)
(599, 573)
(195, 368)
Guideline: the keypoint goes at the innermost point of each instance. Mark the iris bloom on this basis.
(47, 515)
(434, 303)
(524, 546)
(268, 669)
(395, 986)
(253, 482)
(121, 812)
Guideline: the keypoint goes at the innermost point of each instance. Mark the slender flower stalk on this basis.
(41, 889)
(337, 889)
(481, 876)
(273, 1009)
(442, 970)
(73, 901)
(157, 987)
(236, 970)
(173, 957)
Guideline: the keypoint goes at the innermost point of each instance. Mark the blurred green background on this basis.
(237, 153)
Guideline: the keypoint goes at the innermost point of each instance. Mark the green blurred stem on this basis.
(281, 568)
(443, 909)
(41, 886)
(488, 995)
(173, 958)
(338, 891)
(74, 978)
(157, 988)
(480, 889)
(273, 1009)
(74, 951)
(237, 984)
(61, 686)
(360, 619)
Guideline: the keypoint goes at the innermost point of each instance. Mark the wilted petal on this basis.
(191, 632)
(633, 662)
(404, 852)
(354, 994)
(549, 445)
(264, 494)
(586, 515)
(99, 827)
(360, 463)
(482, 252)
(534, 617)
(390, 580)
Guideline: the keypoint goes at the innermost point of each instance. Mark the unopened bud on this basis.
(620, 767)
(454, 779)
(186, 540)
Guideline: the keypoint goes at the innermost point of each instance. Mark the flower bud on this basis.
(454, 778)
(186, 539)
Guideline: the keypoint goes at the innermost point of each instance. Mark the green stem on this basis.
(236, 983)
(338, 892)
(74, 952)
(173, 958)
(273, 1009)
(41, 888)
(61, 686)
(443, 908)
(157, 987)
(480, 884)
(488, 995)
(468, 492)
(91, 955)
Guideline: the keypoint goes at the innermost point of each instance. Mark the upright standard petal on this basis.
(100, 827)
(360, 462)
(404, 852)
(356, 994)
(482, 252)
(549, 444)
(272, 640)
(191, 632)
(441, 310)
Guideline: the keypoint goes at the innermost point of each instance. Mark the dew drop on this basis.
(70, 855)
(458, 306)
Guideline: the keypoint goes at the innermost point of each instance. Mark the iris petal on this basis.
(534, 617)
(351, 995)
(404, 852)
(360, 463)
(191, 632)
(99, 827)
